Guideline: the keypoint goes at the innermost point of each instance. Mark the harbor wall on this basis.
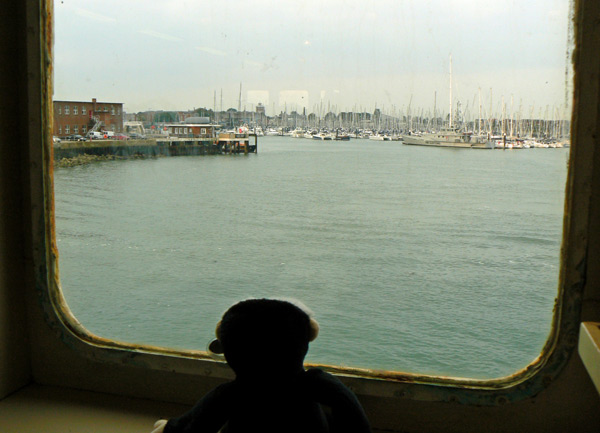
(150, 148)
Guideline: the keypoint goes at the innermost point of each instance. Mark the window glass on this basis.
(408, 185)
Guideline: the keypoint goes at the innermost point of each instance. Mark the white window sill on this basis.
(589, 350)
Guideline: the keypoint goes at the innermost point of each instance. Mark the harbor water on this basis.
(415, 259)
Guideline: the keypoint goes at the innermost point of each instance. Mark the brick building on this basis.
(75, 117)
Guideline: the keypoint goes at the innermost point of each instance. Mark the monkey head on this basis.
(265, 334)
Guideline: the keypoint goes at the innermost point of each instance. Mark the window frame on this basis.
(523, 384)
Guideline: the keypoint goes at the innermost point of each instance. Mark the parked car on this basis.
(120, 137)
(76, 137)
(136, 136)
(55, 139)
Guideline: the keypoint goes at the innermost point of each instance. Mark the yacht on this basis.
(446, 137)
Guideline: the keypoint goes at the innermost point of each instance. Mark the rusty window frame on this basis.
(523, 384)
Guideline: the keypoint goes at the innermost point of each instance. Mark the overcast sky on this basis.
(351, 55)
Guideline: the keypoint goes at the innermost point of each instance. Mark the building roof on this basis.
(86, 102)
(197, 120)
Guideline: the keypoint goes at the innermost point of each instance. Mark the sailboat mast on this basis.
(435, 111)
(512, 117)
(479, 120)
(450, 115)
(491, 126)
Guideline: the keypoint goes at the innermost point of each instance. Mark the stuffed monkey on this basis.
(264, 342)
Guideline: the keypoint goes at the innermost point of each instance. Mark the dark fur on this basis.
(265, 342)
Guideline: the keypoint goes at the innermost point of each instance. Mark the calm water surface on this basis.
(416, 259)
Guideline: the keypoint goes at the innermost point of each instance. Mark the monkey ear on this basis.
(215, 348)
(314, 329)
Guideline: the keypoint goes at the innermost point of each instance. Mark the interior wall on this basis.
(587, 133)
(14, 358)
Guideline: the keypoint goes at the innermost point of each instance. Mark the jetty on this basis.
(223, 143)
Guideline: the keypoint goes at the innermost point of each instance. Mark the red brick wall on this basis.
(76, 114)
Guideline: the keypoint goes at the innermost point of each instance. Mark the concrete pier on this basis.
(155, 147)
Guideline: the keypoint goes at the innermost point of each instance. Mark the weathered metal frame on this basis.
(523, 384)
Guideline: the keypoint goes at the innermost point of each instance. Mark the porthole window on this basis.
(408, 187)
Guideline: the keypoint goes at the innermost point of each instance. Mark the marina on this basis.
(402, 236)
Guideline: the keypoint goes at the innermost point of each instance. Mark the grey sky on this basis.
(348, 54)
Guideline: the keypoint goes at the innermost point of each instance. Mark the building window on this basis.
(75, 129)
(83, 110)
(59, 109)
(75, 109)
(67, 110)
(59, 130)
(112, 111)
(118, 111)
(83, 128)
(67, 129)
(203, 130)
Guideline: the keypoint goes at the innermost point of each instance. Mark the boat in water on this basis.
(322, 136)
(297, 133)
(448, 137)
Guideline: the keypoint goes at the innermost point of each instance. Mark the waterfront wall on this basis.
(149, 148)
